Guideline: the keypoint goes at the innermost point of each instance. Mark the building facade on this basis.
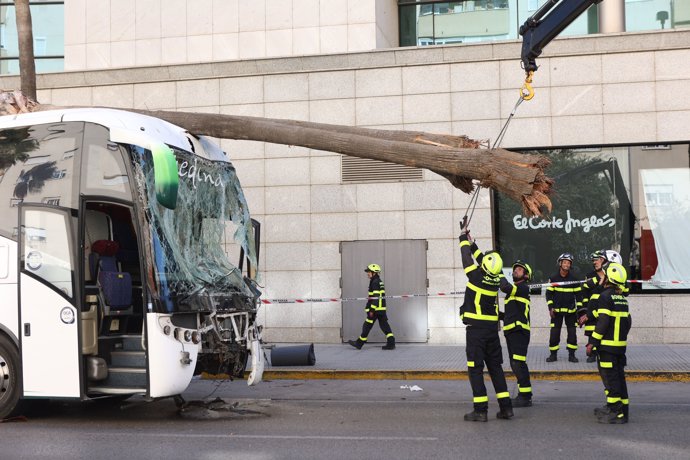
(612, 111)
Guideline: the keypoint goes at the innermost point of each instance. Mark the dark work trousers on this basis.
(517, 342)
(382, 317)
(612, 372)
(570, 324)
(484, 346)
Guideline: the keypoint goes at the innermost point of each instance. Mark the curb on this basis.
(333, 374)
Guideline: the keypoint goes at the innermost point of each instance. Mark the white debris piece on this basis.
(411, 388)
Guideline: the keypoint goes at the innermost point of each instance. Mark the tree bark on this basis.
(25, 36)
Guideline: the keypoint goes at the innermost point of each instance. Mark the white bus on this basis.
(115, 280)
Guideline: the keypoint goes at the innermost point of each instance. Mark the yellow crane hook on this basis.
(527, 92)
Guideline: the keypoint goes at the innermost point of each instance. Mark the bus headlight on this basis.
(187, 335)
(196, 337)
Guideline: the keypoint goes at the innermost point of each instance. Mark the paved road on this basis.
(357, 419)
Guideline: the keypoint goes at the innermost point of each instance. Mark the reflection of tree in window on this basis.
(33, 180)
(15, 145)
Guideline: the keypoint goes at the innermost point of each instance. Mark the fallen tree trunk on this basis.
(520, 177)
(457, 158)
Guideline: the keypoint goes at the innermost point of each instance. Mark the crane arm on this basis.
(545, 25)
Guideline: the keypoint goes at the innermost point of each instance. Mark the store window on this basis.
(48, 26)
(633, 199)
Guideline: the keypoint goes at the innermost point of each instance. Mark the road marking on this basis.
(267, 436)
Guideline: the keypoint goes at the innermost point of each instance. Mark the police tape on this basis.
(442, 294)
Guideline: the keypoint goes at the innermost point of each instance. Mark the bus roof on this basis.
(113, 118)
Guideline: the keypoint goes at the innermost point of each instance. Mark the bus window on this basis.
(36, 165)
(46, 248)
(105, 166)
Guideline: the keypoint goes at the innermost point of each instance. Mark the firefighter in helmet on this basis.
(375, 310)
(563, 300)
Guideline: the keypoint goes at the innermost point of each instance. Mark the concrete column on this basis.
(612, 16)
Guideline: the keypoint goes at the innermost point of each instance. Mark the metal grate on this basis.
(359, 170)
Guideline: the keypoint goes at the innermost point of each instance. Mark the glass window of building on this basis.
(48, 25)
(632, 199)
(425, 22)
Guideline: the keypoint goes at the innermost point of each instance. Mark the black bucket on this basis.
(299, 355)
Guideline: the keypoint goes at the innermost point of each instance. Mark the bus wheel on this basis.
(9, 378)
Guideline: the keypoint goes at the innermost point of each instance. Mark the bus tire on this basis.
(9, 378)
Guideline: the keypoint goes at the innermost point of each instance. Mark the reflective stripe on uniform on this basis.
(554, 348)
(597, 336)
(370, 321)
(610, 400)
(470, 363)
(524, 389)
(519, 358)
(614, 343)
(606, 364)
(572, 347)
(502, 395)
(479, 292)
(480, 399)
(515, 324)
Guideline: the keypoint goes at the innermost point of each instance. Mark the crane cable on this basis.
(465, 222)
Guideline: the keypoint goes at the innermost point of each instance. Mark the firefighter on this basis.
(516, 328)
(375, 310)
(591, 289)
(479, 312)
(563, 301)
(609, 338)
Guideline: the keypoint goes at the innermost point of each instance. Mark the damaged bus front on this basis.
(193, 277)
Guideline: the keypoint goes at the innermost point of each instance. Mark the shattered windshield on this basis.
(189, 243)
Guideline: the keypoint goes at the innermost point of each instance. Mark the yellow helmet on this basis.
(492, 263)
(616, 274)
(374, 268)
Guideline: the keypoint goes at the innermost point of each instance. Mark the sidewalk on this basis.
(423, 361)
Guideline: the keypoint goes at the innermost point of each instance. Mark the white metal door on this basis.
(404, 272)
(49, 320)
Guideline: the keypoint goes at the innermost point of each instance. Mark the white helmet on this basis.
(612, 256)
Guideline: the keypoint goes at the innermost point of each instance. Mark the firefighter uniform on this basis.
(479, 312)
(376, 311)
(516, 328)
(610, 339)
(564, 301)
(591, 290)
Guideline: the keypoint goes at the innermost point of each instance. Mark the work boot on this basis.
(356, 343)
(476, 416)
(390, 344)
(571, 357)
(613, 417)
(521, 401)
(552, 357)
(506, 413)
(591, 359)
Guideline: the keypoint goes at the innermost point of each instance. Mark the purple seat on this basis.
(116, 286)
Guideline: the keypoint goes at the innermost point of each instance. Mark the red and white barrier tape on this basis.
(441, 294)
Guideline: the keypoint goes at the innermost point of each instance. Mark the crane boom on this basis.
(545, 25)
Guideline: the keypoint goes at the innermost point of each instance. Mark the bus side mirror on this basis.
(166, 179)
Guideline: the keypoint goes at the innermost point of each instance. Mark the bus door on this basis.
(48, 316)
